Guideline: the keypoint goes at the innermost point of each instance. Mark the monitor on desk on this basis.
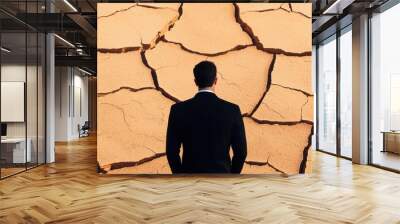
(3, 130)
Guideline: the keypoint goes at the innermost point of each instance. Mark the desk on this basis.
(16, 147)
(391, 141)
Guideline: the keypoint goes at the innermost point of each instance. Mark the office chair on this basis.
(84, 130)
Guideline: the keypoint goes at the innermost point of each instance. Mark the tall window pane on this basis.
(14, 154)
(22, 88)
(327, 96)
(346, 93)
(314, 77)
(31, 98)
(385, 89)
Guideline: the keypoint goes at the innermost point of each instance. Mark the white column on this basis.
(360, 90)
(50, 100)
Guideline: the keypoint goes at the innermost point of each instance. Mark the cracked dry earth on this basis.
(146, 55)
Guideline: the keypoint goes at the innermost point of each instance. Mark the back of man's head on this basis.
(205, 73)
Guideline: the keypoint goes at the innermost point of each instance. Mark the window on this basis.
(394, 101)
(335, 74)
(327, 95)
(346, 93)
(22, 88)
(385, 89)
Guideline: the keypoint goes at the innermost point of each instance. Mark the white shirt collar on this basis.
(205, 90)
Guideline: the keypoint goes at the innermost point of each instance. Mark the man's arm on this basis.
(173, 142)
(238, 142)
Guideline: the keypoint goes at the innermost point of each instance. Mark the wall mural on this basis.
(146, 53)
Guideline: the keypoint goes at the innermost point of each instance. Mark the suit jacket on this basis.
(207, 127)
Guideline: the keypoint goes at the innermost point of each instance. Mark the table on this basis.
(16, 147)
(391, 141)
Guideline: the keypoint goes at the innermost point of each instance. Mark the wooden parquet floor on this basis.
(70, 191)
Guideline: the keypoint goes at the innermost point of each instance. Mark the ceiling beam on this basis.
(85, 25)
(78, 61)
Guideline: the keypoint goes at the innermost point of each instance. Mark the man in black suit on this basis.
(207, 127)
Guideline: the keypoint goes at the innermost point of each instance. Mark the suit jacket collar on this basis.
(205, 94)
(205, 91)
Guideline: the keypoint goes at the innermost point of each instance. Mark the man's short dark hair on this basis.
(204, 74)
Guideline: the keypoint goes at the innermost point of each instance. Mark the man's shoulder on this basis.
(229, 105)
(181, 104)
(223, 103)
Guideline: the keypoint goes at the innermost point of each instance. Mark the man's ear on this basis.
(215, 81)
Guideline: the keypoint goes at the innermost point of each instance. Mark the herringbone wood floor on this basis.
(70, 191)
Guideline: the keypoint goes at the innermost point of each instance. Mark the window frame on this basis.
(334, 37)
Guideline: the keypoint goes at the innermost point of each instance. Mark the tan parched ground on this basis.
(146, 56)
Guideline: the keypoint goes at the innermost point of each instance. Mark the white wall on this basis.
(80, 84)
(33, 127)
(16, 73)
(62, 82)
(71, 102)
